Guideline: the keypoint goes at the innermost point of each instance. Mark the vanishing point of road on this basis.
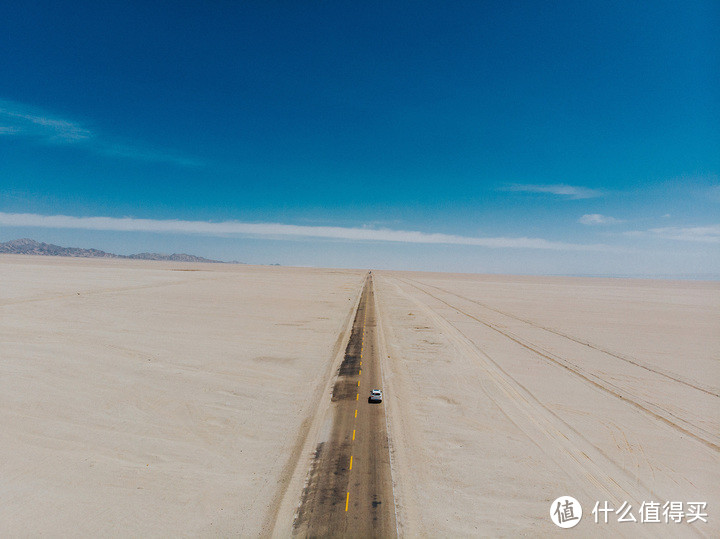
(349, 490)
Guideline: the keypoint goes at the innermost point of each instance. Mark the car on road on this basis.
(375, 396)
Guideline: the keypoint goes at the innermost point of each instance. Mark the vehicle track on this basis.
(651, 409)
(562, 444)
(629, 359)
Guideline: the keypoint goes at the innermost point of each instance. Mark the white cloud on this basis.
(27, 121)
(17, 119)
(569, 191)
(705, 234)
(597, 219)
(129, 224)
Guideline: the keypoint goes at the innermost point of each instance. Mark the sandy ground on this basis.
(157, 399)
(505, 393)
(145, 399)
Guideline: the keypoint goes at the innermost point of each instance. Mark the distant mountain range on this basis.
(27, 246)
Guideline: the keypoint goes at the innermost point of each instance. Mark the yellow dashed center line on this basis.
(357, 398)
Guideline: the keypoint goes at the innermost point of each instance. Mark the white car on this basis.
(375, 396)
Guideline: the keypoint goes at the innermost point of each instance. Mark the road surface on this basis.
(349, 490)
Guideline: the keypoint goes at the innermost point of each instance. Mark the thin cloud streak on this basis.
(120, 150)
(129, 224)
(21, 120)
(597, 219)
(568, 191)
(703, 234)
(30, 122)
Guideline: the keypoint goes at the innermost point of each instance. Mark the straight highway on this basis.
(349, 490)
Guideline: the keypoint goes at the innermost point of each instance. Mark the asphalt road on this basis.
(349, 490)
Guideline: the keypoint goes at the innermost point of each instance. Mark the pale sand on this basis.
(505, 393)
(136, 400)
(140, 400)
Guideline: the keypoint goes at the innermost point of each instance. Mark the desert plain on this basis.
(168, 399)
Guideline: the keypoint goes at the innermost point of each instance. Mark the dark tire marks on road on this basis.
(349, 487)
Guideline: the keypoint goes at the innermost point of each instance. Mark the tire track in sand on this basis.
(563, 445)
(623, 357)
(651, 409)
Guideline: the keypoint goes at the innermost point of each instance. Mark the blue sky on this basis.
(464, 136)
